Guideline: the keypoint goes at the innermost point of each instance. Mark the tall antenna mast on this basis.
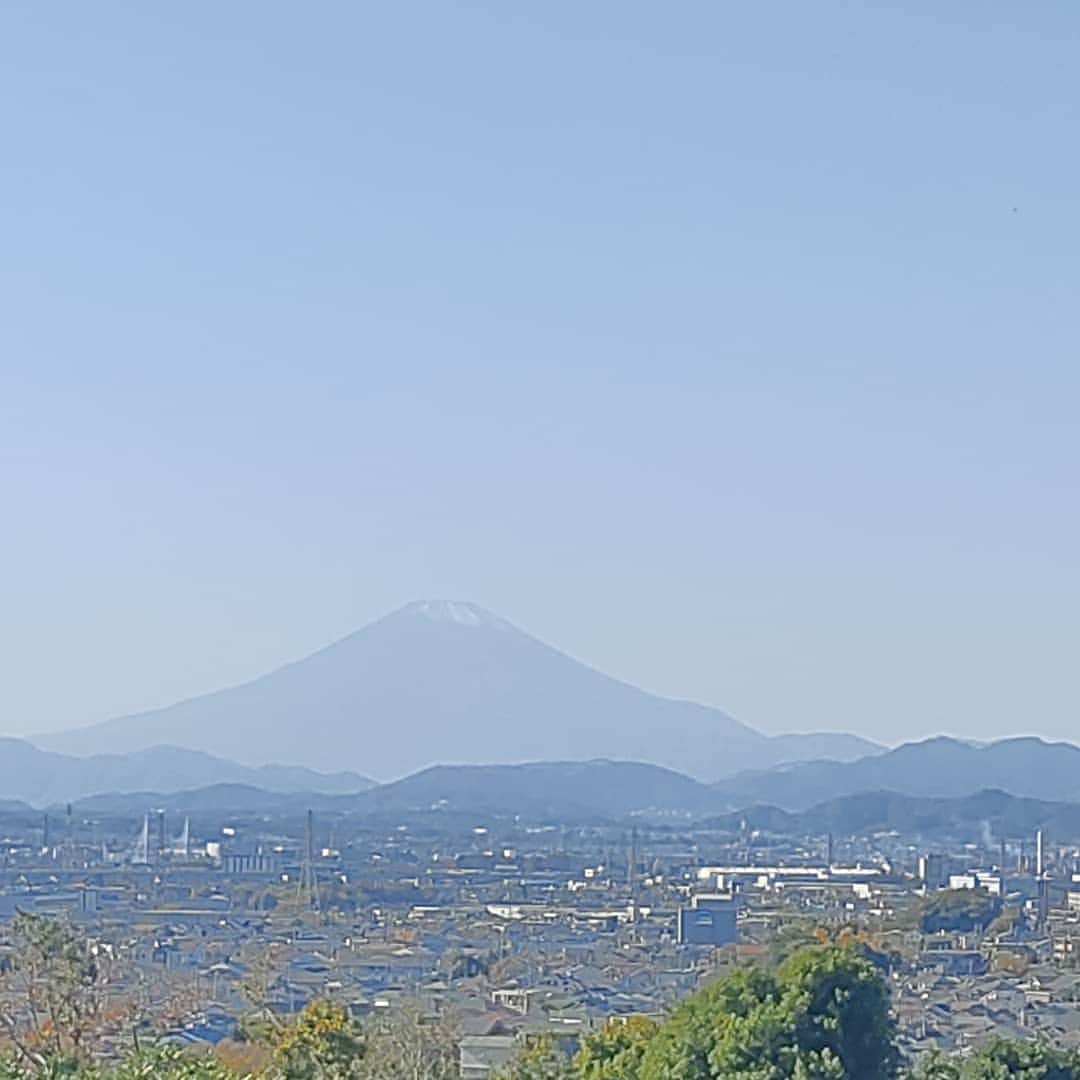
(308, 890)
(69, 840)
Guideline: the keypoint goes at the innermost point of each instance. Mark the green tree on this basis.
(936, 1066)
(56, 979)
(156, 1063)
(1002, 1059)
(840, 1006)
(167, 1063)
(616, 1051)
(322, 1043)
(682, 1048)
(541, 1059)
(958, 910)
(792, 936)
(53, 1067)
(823, 1016)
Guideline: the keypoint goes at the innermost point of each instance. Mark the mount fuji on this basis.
(442, 682)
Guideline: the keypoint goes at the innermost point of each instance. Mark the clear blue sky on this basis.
(731, 347)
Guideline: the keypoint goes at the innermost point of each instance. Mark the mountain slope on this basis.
(566, 790)
(986, 814)
(446, 682)
(42, 777)
(940, 768)
(985, 817)
(608, 788)
(821, 746)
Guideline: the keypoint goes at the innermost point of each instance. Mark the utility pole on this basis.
(69, 839)
(1040, 877)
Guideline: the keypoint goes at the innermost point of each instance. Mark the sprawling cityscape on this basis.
(515, 927)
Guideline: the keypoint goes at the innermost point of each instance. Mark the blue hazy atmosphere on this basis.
(731, 348)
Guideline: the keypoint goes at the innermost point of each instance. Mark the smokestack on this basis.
(1040, 864)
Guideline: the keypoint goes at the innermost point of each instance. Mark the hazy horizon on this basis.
(416, 602)
(733, 355)
(886, 742)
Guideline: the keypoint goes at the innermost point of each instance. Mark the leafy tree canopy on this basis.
(1001, 1059)
(959, 910)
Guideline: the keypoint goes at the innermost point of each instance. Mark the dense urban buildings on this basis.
(516, 927)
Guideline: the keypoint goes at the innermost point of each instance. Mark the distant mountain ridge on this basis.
(447, 681)
(42, 777)
(559, 790)
(614, 788)
(610, 791)
(941, 767)
(988, 813)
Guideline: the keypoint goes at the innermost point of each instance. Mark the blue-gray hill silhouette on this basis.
(936, 768)
(443, 683)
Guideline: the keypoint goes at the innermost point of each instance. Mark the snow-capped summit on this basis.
(456, 611)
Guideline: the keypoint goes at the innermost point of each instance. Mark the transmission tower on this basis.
(308, 887)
